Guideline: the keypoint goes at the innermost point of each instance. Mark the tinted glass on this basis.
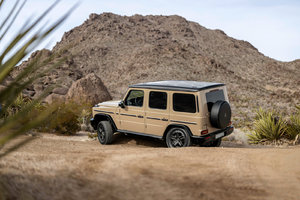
(214, 96)
(135, 98)
(184, 102)
(158, 100)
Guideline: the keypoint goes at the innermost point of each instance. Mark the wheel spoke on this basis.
(101, 133)
(182, 137)
(180, 143)
(173, 137)
(175, 142)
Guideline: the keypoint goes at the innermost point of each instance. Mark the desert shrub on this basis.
(17, 105)
(268, 126)
(67, 118)
(293, 128)
(64, 119)
(85, 116)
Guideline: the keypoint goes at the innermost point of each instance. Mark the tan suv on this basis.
(178, 112)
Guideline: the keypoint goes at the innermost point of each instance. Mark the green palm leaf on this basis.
(21, 45)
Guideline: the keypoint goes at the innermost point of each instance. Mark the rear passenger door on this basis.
(185, 111)
(157, 112)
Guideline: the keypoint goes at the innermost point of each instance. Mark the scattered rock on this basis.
(60, 90)
(54, 98)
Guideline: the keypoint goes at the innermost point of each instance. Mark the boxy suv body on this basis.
(178, 112)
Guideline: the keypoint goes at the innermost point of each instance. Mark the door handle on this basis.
(140, 116)
(164, 119)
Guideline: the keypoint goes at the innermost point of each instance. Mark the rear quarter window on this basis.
(184, 102)
(214, 96)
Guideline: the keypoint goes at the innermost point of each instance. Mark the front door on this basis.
(132, 117)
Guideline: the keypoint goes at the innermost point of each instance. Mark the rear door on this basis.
(157, 112)
(185, 111)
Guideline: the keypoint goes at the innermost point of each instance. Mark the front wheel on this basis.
(178, 137)
(104, 132)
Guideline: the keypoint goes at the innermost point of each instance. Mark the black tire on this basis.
(215, 143)
(220, 114)
(104, 132)
(178, 137)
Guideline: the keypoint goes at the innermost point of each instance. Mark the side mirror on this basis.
(121, 104)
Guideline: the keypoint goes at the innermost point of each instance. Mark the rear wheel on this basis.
(104, 132)
(178, 137)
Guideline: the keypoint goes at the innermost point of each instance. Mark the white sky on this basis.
(272, 26)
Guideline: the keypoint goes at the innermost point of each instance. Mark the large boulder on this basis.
(89, 89)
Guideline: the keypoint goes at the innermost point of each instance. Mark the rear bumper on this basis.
(214, 135)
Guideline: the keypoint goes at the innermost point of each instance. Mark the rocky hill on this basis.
(119, 50)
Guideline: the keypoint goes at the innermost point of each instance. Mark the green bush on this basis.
(19, 103)
(267, 127)
(67, 118)
(293, 128)
(63, 120)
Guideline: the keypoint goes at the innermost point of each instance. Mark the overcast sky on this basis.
(272, 26)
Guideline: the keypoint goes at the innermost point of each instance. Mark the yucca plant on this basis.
(15, 51)
(294, 125)
(267, 127)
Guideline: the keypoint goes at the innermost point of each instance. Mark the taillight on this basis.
(204, 132)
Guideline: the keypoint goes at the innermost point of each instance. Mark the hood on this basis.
(109, 104)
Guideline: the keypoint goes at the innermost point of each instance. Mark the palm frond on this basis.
(20, 46)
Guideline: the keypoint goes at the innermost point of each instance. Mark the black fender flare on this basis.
(100, 117)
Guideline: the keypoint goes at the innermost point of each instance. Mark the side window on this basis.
(158, 100)
(135, 98)
(184, 102)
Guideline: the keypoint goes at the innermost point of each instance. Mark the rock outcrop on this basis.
(124, 50)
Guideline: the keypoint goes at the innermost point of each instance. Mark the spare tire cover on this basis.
(220, 114)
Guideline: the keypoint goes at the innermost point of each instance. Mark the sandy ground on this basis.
(60, 167)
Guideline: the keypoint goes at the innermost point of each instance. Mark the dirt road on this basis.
(60, 167)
